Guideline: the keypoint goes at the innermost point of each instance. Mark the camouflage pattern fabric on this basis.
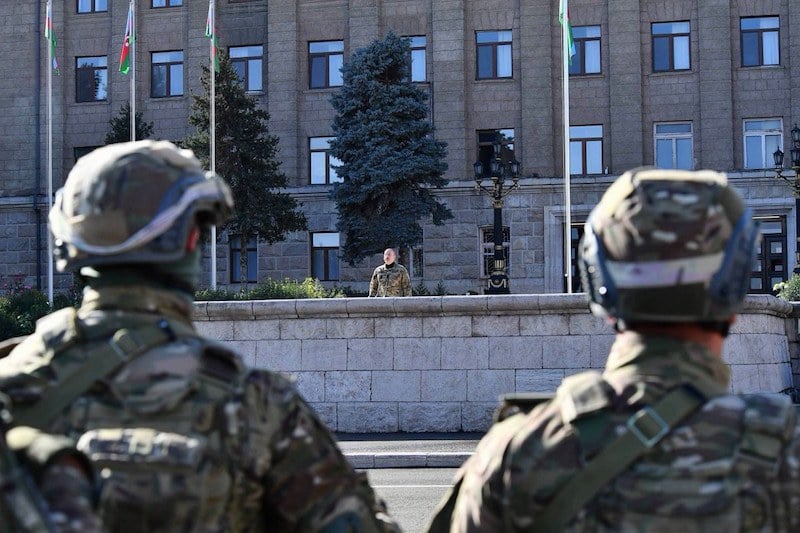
(733, 465)
(391, 280)
(187, 438)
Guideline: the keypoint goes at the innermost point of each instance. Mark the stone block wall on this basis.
(440, 363)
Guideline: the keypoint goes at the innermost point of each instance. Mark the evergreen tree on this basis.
(389, 157)
(121, 126)
(246, 157)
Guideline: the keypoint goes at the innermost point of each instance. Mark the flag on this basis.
(211, 33)
(563, 18)
(125, 53)
(50, 34)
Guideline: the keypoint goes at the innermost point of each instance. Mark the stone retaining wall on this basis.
(439, 363)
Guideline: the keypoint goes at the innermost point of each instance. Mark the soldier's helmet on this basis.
(668, 246)
(132, 203)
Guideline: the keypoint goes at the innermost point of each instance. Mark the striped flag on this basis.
(563, 18)
(125, 53)
(211, 33)
(50, 34)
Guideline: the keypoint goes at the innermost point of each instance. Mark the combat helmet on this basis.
(668, 246)
(134, 202)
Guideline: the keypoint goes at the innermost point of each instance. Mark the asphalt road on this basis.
(411, 494)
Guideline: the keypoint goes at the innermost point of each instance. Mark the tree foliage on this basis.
(246, 157)
(389, 157)
(120, 131)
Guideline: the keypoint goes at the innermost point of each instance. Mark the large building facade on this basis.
(686, 84)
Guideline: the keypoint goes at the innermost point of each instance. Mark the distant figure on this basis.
(655, 442)
(183, 434)
(390, 278)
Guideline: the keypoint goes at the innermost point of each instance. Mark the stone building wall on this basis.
(440, 363)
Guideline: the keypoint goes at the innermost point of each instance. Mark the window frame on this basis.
(247, 61)
(168, 69)
(167, 4)
(671, 39)
(674, 137)
(760, 32)
(584, 141)
(495, 47)
(327, 55)
(80, 72)
(327, 252)
(93, 7)
(578, 65)
(575, 236)
(766, 153)
(418, 48)
(768, 261)
(331, 176)
(234, 255)
(486, 246)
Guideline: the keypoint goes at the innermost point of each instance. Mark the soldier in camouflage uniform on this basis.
(391, 278)
(655, 442)
(185, 437)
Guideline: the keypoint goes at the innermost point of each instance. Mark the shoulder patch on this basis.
(581, 394)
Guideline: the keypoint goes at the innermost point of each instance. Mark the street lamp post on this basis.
(794, 183)
(497, 187)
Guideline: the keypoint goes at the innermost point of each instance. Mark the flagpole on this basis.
(565, 56)
(212, 132)
(132, 7)
(49, 152)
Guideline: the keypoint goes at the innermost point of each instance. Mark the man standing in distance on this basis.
(391, 278)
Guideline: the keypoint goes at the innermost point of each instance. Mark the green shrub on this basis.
(273, 290)
(790, 289)
(420, 289)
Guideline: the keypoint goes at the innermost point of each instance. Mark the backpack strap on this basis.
(643, 430)
(99, 360)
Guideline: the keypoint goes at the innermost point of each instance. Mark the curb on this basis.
(407, 460)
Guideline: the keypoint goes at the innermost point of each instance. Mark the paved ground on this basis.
(408, 450)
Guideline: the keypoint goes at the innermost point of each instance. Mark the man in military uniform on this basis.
(185, 437)
(655, 442)
(391, 278)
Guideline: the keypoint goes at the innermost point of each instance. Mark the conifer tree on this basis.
(120, 131)
(390, 160)
(246, 157)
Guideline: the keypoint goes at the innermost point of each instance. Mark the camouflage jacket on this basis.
(392, 280)
(731, 465)
(187, 438)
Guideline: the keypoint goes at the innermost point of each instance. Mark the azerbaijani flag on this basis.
(563, 18)
(125, 53)
(50, 34)
(211, 33)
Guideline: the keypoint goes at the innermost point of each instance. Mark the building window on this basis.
(167, 74)
(92, 6)
(587, 51)
(91, 79)
(673, 145)
(670, 46)
(235, 255)
(770, 265)
(247, 62)
(321, 162)
(167, 3)
(487, 249)
(416, 262)
(493, 54)
(418, 62)
(80, 151)
(576, 234)
(586, 150)
(325, 256)
(760, 41)
(325, 60)
(486, 140)
(761, 138)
